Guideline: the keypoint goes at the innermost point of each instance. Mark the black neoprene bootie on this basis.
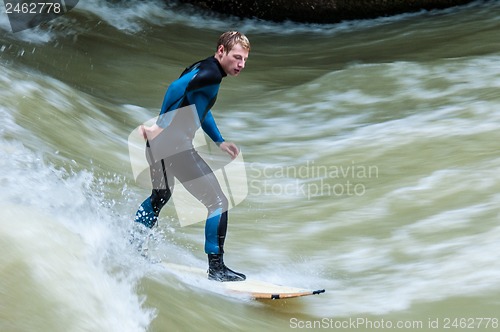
(219, 272)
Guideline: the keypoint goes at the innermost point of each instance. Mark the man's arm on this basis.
(209, 126)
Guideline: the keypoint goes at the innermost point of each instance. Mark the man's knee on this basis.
(159, 198)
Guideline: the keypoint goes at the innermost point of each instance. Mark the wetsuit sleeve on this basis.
(202, 91)
(210, 127)
(204, 100)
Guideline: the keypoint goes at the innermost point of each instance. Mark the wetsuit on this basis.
(186, 106)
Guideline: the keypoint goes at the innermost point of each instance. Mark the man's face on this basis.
(234, 61)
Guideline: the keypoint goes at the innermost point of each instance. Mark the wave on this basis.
(63, 234)
(58, 237)
(136, 16)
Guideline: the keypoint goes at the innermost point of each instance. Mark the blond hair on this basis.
(231, 38)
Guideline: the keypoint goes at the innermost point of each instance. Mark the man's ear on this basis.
(220, 50)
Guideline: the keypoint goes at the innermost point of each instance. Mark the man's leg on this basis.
(198, 178)
(148, 212)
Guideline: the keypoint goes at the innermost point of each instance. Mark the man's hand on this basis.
(149, 133)
(230, 148)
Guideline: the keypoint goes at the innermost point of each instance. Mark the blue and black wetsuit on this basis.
(197, 86)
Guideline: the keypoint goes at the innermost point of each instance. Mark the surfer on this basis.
(169, 149)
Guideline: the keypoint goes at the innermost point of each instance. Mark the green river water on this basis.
(371, 159)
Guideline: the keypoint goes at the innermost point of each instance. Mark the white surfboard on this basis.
(252, 288)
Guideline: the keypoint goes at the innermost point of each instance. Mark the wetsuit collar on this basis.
(222, 72)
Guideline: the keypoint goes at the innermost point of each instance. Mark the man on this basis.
(170, 150)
